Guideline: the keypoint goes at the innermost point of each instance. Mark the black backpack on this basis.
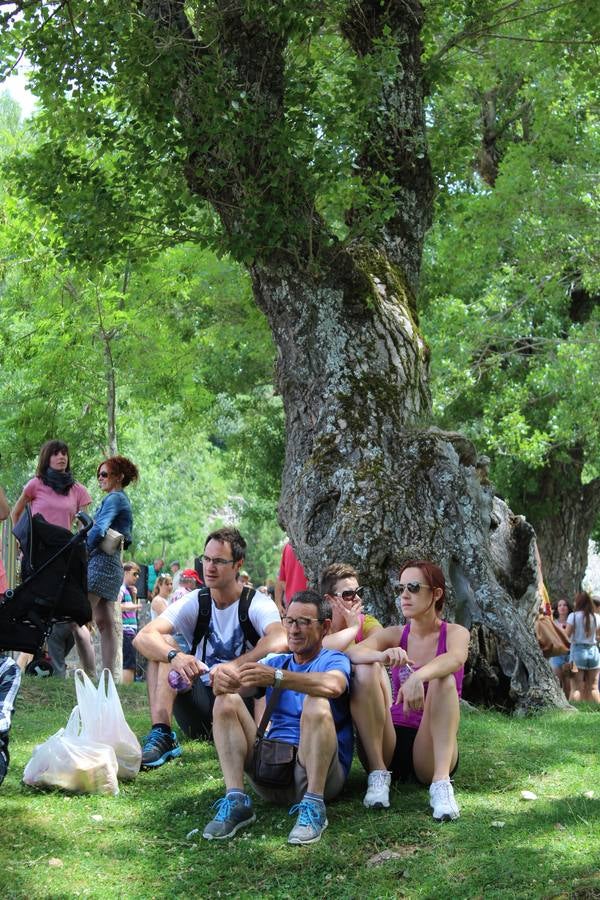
(204, 613)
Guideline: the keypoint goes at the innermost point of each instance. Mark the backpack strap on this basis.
(203, 620)
(204, 613)
(250, 634)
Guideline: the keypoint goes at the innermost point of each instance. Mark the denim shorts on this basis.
(558, 661)
(585, 656)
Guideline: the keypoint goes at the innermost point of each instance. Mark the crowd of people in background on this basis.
(225, 658)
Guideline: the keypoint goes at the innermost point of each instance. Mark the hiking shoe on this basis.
(232, 814)
(4, 757)
(158, 748)
(311, 823)
(378, 789)
(441, 798)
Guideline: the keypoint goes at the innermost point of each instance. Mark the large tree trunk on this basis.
(563, 513)
(366, 479)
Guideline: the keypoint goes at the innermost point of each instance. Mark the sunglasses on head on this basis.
(413, 587)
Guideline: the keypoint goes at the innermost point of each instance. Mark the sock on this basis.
(237, 794)
(161, 726)
(314, 798)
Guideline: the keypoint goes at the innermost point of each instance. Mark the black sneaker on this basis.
(4, 757)
(158, 748)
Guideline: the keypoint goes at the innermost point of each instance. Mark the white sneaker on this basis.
(378, 789)
(441, 798)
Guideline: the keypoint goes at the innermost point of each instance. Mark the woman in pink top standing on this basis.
(417, 736)
(54, 493)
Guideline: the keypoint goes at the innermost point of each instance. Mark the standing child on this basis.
(129, 609)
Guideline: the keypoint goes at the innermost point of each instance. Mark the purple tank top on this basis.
(413, 718)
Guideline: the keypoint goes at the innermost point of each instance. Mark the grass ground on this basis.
(51, 846)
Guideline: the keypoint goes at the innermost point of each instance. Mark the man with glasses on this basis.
(213, 665)
(312, 713)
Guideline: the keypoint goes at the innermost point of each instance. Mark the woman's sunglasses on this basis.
(413, 587)
(349, 595)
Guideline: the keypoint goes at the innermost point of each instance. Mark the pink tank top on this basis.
(413, 718)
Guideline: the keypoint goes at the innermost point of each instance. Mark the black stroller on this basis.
(54, 585)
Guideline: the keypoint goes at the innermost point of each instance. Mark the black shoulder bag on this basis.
(273, 762)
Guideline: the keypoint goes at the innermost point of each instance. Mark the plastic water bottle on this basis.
(179, 682)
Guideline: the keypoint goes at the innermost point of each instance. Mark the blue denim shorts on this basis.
(585, 656)
(558, 661)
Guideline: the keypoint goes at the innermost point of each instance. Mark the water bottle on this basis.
(403, 673)
(179, 682)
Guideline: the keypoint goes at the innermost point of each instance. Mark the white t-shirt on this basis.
(579, 636)
(225, 639)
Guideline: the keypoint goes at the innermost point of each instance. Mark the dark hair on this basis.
(232, 537)
(128, 566)
(322, 605)
(433, 576)
(555, 606)
(47, 450)
(120, 465)
(583, 603)
(334, 573)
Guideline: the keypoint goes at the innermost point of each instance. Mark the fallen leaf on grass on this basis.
(96, 818)
(56, 862)
(497, 824)
(400, 853)
(589, 795)
(528, 795)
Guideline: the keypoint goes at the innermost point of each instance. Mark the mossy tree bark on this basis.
(366, 478)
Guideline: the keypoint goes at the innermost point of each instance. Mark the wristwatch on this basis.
(277, 678)
(172, 654)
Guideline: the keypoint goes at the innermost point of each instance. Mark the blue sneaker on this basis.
(232, 814)
(311, 823)
(158, 748)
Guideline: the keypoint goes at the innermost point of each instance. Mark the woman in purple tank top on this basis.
(417, 736)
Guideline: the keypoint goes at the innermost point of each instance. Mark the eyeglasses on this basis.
(216, 561)
(103, 474)
(349, 595)
(413, 587)
(301, 621)
(136, 574)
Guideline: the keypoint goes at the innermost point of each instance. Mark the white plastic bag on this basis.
(103, 720)
(72, 761)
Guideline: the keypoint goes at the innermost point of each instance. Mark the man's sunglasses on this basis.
(413, 587)
(349, 595)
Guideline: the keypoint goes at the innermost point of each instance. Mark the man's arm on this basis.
(151, 642)
(329, 684)
(280, 596)
(225, 677)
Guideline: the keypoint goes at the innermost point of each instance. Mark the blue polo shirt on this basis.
(285, 720)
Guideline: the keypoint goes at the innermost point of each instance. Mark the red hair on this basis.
(432, 575)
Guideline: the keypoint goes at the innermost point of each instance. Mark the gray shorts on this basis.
(284, 796)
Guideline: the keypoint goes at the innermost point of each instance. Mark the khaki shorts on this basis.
(293, 793)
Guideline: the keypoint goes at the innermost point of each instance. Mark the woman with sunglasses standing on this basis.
(415, 738)
(105, 570)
